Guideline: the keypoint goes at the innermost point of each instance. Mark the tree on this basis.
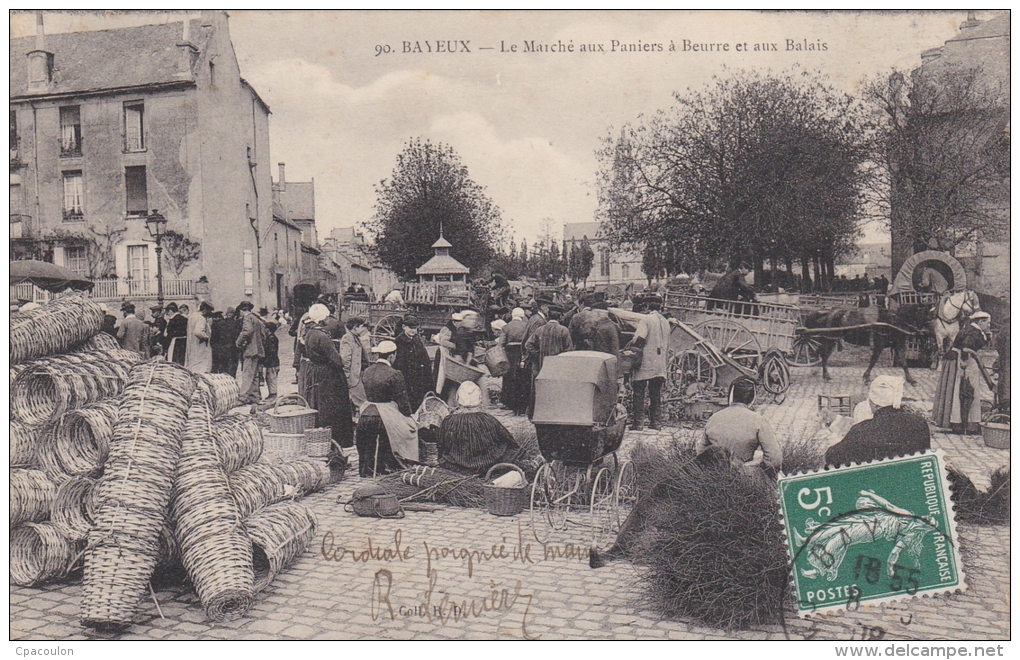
(430, 191)
(179, 251)
(585, 260)
(652, 263)
(755, 166)
(945, 138)
(525, 265)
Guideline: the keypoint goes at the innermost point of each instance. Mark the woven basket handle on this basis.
(289, 397)
(998, 418)
(488, 475)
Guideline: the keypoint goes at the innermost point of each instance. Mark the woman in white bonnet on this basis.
(470, 440)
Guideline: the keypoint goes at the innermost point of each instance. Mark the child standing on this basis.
(272, 359)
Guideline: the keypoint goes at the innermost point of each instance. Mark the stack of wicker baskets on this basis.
(129, 469)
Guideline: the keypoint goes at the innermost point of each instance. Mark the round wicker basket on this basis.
(54, 327)
(39, 553)
(70, 515)
(134, 493)
(255, 487)
(222, 390)
(238, 441)
(279, 534)
(215, 548)
(82, 437)
(24, 445)
(32, 496)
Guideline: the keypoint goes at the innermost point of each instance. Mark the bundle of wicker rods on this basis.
(24, 445)
(279, 534)
(254, 487)
(54, 327)
(710, 536)
(135, 492)
(15, 370)
(222, 390)
(82, 437)
(46, 457)
(51, 386)
(39, 553)
(303, 476)
(32, 496)
(70, 515)
(238, 441)
(103, 341)
(214, 544)
(430, 484)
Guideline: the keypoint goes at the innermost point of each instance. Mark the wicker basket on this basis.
(318, 441)
(238, 440)
(39, 553)
(458, 372)
(32, 496)
(24, 445)
(71, 515)
(291, 418)
(54, 327)
(505, 501)
(996, 431)
(496, 361)
(285, 446)
(279, 534)
(429, 453)
(222, 390)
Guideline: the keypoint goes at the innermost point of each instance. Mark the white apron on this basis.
(402, 431)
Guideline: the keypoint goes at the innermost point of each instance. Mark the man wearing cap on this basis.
(412, 360)
(550, 339)
(355, 357)
(890, 432)
(109, 321)
(323, 380)
(386, 435)
(250, 348)
(652, 337)
(133, 334)
(958, 394)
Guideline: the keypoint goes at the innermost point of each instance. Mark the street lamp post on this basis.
(156, 225)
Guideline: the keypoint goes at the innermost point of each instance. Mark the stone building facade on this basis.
(108, 125)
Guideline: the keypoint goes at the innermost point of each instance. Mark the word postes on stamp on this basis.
(871, 533)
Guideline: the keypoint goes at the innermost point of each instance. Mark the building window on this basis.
(14, 139)
(625, 271)
(74, 196)
(138, 263)
(604, 263)
(134, 126)
(75, 261)
(70, 131)
(137, 197)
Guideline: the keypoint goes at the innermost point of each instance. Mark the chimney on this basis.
(970, 22)
(40, 62)
(283, 177)
(188, 52)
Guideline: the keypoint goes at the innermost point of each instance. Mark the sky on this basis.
(348, 89)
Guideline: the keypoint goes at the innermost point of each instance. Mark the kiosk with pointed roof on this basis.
(442, 267)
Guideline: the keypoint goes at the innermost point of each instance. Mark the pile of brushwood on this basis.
(990, 507)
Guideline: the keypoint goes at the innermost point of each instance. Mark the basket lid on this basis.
(291, 411)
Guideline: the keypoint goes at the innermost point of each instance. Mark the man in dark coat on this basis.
(177, 333)
(323, 384)
(224, 334)
(733, 287)
(387, 399)
(251, 351)
(891, 432)
(413, 362)
(550, 339)
(515, 387)
(109, 322)
(606, 338)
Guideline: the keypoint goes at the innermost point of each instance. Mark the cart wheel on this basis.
(775, 377)
(625, 496)
(604, 523)
(689, 367)
(733, 339)
(386, 328)
(805, 351)
(542, 498)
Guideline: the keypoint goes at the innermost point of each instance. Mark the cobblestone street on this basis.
(417, 582)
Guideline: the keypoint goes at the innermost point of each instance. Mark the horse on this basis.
(862, 333)
(948, 312)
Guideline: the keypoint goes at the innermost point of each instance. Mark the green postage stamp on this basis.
(871, 533)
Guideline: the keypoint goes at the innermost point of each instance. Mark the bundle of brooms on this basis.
(709, 535)
(990, 507)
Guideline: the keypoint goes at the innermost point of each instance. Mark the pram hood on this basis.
(577, 388)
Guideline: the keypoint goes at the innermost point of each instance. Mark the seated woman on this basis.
(387, 437)
(472, 441)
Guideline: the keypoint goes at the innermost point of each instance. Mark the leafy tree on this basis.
(741, 169)
(179, 251)
(945, 138)
(652, 263)
(585, 260)
(525, 265)
(428, 190)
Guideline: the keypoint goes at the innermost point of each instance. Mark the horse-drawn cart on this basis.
(431, 302)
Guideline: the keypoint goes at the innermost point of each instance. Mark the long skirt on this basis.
(324, 387)
(958, 394)
(375, 455)
(514, 389)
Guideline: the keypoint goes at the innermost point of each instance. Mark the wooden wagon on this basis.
(431, 302)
